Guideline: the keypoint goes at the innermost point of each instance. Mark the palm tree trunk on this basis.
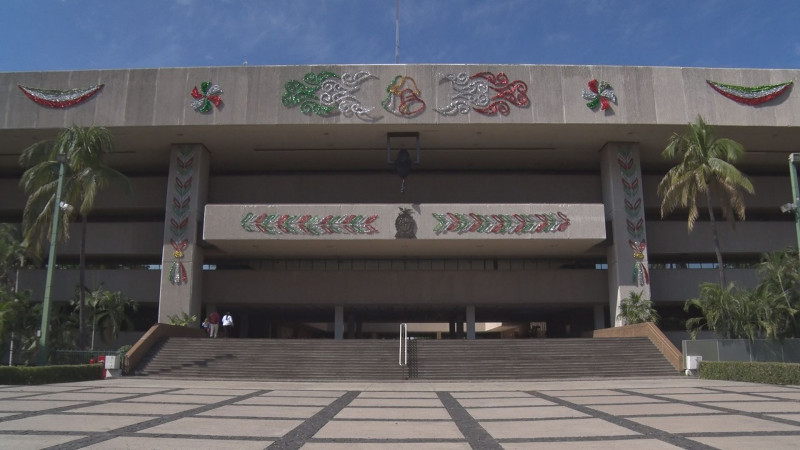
(716, 239)
(81, 299)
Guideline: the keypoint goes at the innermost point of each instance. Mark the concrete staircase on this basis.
(320, 359)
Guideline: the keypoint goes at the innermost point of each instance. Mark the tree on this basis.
(86, 174)
(110, 313)
(635, 308)
(14, 255)
(705, 167)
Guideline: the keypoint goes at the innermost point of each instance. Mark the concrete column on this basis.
(471, 322)
(181, 256)
(599, 317)
(628, 269)
(338, 322)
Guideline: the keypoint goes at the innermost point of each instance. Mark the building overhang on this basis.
(404, 230)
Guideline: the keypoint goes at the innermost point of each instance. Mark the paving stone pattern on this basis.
(145, 412)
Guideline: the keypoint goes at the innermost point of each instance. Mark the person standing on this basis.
(213, 323)
(227, 324)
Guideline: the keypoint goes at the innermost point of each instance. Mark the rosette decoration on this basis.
(640, 275)
(755, 95)
(599, 94)
(55, 98)
(207, 95)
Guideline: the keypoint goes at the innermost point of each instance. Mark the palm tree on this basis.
(635, 308)
(14, 255)
(110, 312)
(706, 166)
(82, 151)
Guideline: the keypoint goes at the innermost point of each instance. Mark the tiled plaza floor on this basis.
(144, 413)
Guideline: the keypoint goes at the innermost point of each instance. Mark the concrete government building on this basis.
(529, 196)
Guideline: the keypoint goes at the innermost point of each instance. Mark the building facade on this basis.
(341, 200)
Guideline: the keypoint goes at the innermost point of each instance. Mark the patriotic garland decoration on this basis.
(599, 94)
(308, 224)
(634, 219)
(177, 272)
(640, 275)
(55, 98)
(475, 92)
(750, 95)
(179, 222)
(206, 96)
(500, 223)
(327, 93)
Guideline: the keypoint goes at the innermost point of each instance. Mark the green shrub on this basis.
(754, 372)
(50, 374)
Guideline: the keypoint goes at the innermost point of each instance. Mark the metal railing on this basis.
(403, 356)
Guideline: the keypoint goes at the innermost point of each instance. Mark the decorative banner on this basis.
(501, 223)
(326, 93)
(635, 216)
(474, 92)
(179, 220)
(60, 99)
(308, 224)
(750, 95)
(599, 94)
(640, 275)
(403, 98)
(206, 96)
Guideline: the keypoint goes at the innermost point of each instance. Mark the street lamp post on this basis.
(51, 262)
(794, 158)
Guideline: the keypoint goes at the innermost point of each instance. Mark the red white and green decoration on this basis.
(206, 96)
(327, 93)
(309, 225)
(500, 223)
(403, 97)
(600, 94)
(751, 95)
(485, 93)
(634, 217)
(179, 217)
(56, 98)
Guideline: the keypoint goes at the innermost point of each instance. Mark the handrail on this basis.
(648, 330)
(151, 337)
(403, 356)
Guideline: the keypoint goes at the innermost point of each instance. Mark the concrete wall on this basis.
(139, 285)
(424, 187)
(139, 98)
(556, 287)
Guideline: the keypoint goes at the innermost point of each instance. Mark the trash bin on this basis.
(112, 369)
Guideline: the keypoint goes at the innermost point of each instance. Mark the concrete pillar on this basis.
(599, 317)
(471, 322)
(338, 322)
(181, 256)
(351, 326)
(624, 209)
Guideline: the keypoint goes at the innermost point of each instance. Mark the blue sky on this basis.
(44, 35)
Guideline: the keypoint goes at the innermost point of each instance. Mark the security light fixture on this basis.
(788, 208)
(402, 162)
